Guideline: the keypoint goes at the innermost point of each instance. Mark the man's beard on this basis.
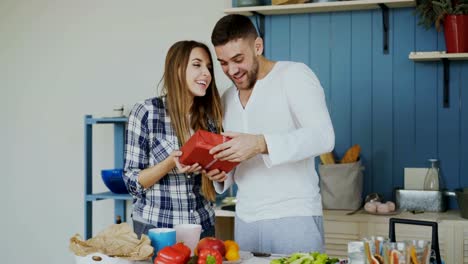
(251, 76)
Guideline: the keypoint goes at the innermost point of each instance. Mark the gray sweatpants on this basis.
(281, 236)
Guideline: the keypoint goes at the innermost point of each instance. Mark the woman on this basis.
(165, 192)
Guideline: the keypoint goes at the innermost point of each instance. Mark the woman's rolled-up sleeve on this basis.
(136, 149)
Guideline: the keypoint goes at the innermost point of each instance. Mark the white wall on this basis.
(60, 60)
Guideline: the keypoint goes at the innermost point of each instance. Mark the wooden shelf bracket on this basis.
(446, 91)
(385, 25)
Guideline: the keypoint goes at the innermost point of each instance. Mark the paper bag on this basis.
(341, 185)
(196, 150)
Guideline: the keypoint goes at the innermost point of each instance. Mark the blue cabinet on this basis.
(119, 124)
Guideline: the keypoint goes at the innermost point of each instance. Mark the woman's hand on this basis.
(216, 175)
(181, 168)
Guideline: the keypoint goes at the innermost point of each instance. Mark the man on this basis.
(280, 122)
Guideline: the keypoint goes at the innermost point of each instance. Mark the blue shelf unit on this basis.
(119, 124)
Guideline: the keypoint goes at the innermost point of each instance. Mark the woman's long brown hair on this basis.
(203, 108)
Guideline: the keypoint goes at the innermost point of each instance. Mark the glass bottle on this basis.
(431, 181)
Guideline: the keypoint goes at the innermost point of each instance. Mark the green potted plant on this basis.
(453, 15)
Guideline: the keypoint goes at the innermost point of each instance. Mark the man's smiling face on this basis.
(239, 62)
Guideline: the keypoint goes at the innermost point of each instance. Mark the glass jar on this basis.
(431, 181)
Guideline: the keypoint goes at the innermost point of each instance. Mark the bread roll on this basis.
(352, 154)
(327, 158)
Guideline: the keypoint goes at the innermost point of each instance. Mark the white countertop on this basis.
(249, 260)
(452, 215)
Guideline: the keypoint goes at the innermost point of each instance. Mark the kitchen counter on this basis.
(341, 229)
(362, 216)
(249, 260)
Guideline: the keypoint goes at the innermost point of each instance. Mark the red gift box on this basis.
(197, 148)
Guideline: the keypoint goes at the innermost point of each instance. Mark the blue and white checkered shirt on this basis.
(176, 198)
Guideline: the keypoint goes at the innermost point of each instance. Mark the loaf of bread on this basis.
(327, 158)
(352, 154)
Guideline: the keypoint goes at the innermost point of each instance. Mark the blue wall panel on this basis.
(319, 48)
(463, 104)
(386, 103)
(280, 38)
(426, 78)
(340, 80)
(300, 37)
(382, 115)
(403, 94)
(361, 85)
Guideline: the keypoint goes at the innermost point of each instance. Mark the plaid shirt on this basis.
(176, 198)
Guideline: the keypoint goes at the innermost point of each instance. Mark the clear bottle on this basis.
(431, 181)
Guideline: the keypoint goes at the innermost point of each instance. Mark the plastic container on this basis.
(113, 180)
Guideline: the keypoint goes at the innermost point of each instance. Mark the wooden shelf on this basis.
(436, 56)
(106, 120)
(107, 195)
(424, 56)
(319, 7)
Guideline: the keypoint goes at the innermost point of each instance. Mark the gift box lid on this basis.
(196, 150)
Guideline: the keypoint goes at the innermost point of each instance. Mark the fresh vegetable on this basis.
(176, 254)
(231, 244)
(211, 243)
(232, 250)
(209, 256)
(232, 254)
(185, 250)
(306, 258)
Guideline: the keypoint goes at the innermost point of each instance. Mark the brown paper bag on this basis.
(117, 240)
(341, 185)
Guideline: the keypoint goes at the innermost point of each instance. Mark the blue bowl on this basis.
(114, 181)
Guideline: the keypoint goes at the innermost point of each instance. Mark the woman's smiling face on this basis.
(198, 73)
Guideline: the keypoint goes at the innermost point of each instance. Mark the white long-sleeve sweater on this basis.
(288, 107)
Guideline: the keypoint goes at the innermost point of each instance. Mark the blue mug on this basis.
(161, 237)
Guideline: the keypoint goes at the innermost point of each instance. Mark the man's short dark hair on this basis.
(232, 27)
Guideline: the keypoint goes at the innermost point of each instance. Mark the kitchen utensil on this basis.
(421, 200)
(372, 197)
(462, 199)
(435, 233)
(261, 254)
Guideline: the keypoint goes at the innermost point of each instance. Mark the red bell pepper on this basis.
(209, 256)
(181, 247)
(176, 254)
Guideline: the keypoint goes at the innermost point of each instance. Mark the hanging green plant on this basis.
(433, 12)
